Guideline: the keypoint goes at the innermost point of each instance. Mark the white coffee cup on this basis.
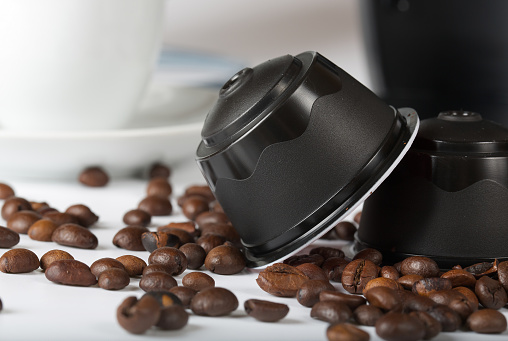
(75, 64)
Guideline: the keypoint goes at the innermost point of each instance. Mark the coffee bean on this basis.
(60, 218)
(352, 301)
(396, 326)
(487, 321)
(390, 272)
(138, 316)
(6, 191)
(225, 260)
(185, 294)
(482, 269)
(367, 315)
(171, 257)
(358, 217)
(129, 238)
(75, 236)
(198, 281)
(53, 255)
(13, 205)
(384, 298)
(157, 281)
(172, 318)
(302, 259)
(84, 214)
(187, 226)
(414, 302)
(184, 236)
(113, 279)
(265, 311)
(490, 293)
(94, 177)
(194, 205)
(470, 296)
(331, 312)
(214, 302)
(17, 261)
(427, 285)
(313, 271)
(42, 230)
(422, 266)
(157, 268)
(444, 296)
(225, 230)
(132, 264)
(431, 325)
(159, 170)
(137, 217)
(460, 278)
(309, 291)
(216, 207)
(41, 207)
(211, 218)
(357, 274)
(370, 254)
(104, 264)
(327, 252)
(8, 237)
(70, 272)
(156, 206)
(195, 255)
(345, 230)
(408, 281)
(334, 268)
(346, 332)
(210, 241)
(202, 190)
(382, 282)
(502, 273)
(281, 280)
(454, 300)
(450, 321)
(154, 240)
(159, 187)
(21, 221)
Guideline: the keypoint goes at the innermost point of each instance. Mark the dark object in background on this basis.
(434, 55)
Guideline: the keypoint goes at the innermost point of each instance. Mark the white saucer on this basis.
(166, 128)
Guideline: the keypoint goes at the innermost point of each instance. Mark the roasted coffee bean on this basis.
(53, 255)
(265, 311)
(487, 321)
(70, 272)
(331, 312)
(13, 205)
(38, 206)
(113, 279)
(390, 272)
(8, 237)
(159, 187)
(346, 332)
(104, 264)
(214, 302)
(159, 170)
(358, 217)
(309, 291)
(129, 238)
(470, 296)
(84, 214)
(345, 230)
(490, 293)
(75, 236)
(382, 282)
(60, 218)
(422, 266)
(281, 280)
(184, 197)
(330, 235)
(6, 191)
(367, 315)
(225, 260)
(195, 255)
(154, 240)
(21, 221)
(334, 267)
(202, 190)
(156, 206)
(408, 281)
(460, 278)
(427, 285)
(414, 302)
(313, 271)
(42, 230)
(370, 254)
(172, 318)
(157, 268)
(450, 321)
(193, 206)
(357, 274)
(432, 326)
(17, 261)
(184, 294)
(210, 241)
(184, 236)
(384, 298)
(94, 177)
(352, 301)
(157, 281)
(198, 281)
(327, 252)
(396, 326)
(216, 207)
(138, 316)
(137, 217)
(483, 269)
(455, 300)
(444, 296)
(211, 218)
(188, 226)
(171, 257)
(502, 274)
(132, 264)
(225, 230)
(303, 259)
(165, 298)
